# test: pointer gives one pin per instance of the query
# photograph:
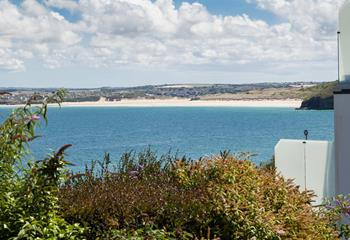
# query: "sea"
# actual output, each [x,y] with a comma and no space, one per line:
[189,131]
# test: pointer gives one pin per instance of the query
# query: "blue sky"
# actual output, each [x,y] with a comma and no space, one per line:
[236,7]
[218,7]
[93,43]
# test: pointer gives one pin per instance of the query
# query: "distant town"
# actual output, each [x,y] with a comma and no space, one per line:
[278,91]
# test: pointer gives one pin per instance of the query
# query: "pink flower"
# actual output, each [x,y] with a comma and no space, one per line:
[281,232]
[35,117]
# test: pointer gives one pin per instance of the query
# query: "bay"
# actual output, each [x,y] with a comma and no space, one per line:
[190,131]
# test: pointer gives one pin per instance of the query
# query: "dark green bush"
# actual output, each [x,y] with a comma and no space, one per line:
[28,193]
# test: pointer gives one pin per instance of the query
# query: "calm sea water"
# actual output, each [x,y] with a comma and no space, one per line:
[189,131]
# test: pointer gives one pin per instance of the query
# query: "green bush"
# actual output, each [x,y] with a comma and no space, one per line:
[219,197]
[337,210]
[145,233]
[28,192]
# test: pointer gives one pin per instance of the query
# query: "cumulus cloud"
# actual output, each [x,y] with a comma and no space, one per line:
[24,27]
[316,18]
[155,32]
[129,32]
[8,60]
[63,4]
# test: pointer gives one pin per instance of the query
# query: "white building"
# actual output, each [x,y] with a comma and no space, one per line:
[323,166]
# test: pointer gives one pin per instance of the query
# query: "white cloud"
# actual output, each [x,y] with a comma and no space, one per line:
[63,4]
[30,24]
[11,60]
[317,18]
[133,32]
[143,32]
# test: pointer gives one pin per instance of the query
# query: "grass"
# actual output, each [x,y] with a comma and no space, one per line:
[322,90]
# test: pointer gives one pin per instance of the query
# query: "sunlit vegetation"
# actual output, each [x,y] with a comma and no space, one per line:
[29,207]
[319,97]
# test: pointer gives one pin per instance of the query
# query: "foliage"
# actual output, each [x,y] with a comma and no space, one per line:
[322,90]
[270,164]
[28,194]
[337,210]
[319,97]
[217,197]
[146,233]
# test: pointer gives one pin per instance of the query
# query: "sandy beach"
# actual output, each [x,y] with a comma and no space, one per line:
[290,103]
[175,102]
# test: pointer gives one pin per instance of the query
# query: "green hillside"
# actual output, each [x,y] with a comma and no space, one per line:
[319,97]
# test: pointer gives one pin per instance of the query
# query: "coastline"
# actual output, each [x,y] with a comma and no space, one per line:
[287,103]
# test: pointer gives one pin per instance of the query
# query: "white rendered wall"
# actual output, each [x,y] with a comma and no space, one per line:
[310,164]
[344,28]
[342,142]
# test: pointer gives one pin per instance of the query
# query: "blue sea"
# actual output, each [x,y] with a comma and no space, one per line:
[190,131]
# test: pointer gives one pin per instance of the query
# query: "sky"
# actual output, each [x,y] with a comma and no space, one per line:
[118,43]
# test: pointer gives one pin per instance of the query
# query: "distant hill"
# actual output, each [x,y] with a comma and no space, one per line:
[319,97]
[315,94]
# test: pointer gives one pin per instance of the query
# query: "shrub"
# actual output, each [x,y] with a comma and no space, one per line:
[145,233]
[337,211]
[28,193]
[218,197]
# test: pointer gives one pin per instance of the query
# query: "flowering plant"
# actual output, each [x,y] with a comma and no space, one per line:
[338,211]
